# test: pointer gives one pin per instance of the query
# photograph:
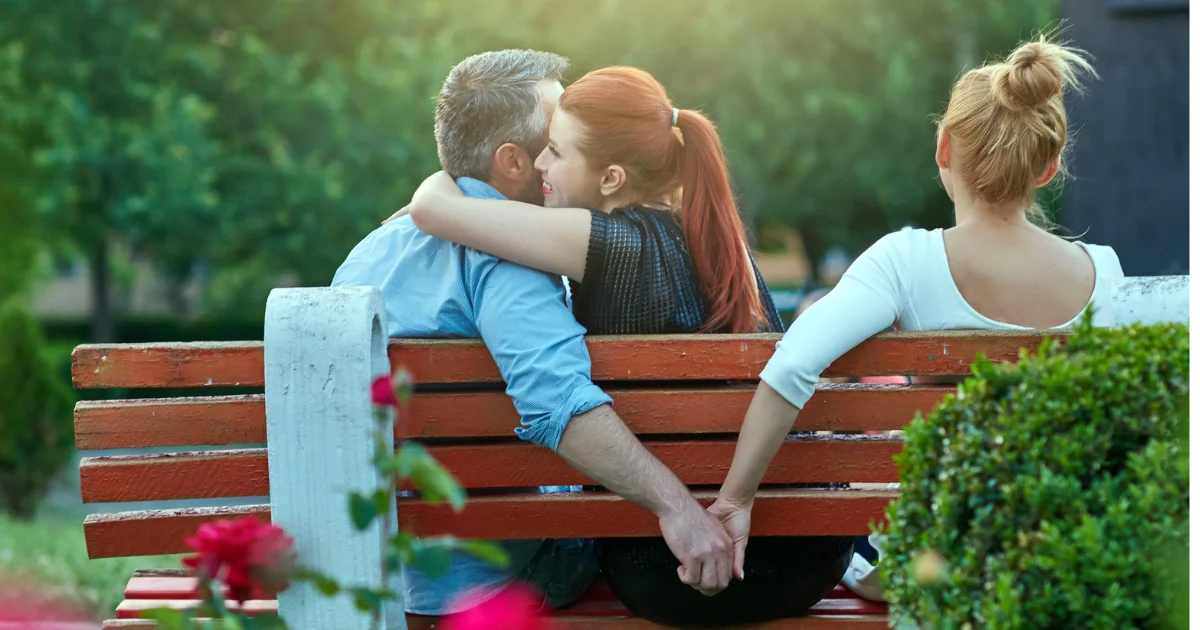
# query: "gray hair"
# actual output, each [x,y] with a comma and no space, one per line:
[488,100]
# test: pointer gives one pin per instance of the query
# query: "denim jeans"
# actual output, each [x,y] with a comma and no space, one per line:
[562,569]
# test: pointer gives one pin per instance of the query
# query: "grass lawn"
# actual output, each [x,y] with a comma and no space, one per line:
[50,550]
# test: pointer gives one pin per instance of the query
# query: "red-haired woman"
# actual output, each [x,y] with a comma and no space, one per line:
[640,216]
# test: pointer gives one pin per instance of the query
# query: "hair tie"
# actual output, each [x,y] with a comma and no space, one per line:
[674,116]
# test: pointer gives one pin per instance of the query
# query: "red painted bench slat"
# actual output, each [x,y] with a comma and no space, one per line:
[133,608]
[243,473]
[598,603]
[181,585]
[222,420]
[655,358]
[600,515]
[777,513]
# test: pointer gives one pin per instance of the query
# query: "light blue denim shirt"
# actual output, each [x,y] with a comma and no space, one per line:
[435,288]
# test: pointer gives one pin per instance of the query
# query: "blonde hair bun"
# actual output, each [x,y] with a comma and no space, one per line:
[1037,72]
[1009,121]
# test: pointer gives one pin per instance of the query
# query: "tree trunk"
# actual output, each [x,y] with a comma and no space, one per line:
[104,329]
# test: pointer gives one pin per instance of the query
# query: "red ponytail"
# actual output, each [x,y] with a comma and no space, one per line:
[714,231]
[627,116]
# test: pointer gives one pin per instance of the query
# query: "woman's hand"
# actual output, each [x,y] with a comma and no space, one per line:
[435,187]
[735,517]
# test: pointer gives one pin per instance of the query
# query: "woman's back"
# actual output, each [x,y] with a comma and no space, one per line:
[1020,276]
[961,279]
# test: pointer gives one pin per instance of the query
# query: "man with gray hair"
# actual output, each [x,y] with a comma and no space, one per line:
[492,118]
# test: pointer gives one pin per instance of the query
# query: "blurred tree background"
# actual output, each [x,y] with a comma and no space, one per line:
[254,141]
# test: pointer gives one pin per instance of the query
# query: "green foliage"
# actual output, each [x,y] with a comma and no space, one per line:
[50,555]
[169,618]
[35,413]
[19,243]
[1047,492]
[269,135]
[825,106]
[263,138]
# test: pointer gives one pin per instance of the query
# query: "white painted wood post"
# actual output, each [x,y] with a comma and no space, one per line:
[323,347]
[1150,299]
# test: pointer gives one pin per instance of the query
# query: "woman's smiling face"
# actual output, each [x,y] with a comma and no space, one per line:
[568,181]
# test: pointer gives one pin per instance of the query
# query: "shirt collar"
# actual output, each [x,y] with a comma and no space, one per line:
[472,187]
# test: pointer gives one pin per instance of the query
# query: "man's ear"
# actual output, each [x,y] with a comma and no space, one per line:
[511,162]
[612,179]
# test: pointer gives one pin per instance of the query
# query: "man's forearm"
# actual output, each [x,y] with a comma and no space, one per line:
[598,444]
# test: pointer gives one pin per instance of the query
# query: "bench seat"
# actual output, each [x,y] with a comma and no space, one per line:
[597,609]
[284,440]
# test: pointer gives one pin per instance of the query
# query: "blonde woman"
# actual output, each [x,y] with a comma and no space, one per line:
[1001,138]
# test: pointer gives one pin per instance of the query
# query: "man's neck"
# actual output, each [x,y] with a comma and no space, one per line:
[502,187]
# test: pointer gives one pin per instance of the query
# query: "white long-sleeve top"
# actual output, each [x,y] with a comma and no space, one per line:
[904,279]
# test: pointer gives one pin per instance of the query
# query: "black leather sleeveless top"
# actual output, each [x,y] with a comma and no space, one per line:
[639,278]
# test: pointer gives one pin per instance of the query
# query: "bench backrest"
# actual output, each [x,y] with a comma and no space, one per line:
[305,442]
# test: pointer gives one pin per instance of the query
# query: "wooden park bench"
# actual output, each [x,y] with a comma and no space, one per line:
[304,443]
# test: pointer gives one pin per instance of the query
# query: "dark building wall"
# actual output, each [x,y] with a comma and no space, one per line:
[1130,160]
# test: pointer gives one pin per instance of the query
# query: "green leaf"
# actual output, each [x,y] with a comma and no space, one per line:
[487,551]
[362,511]
[432,557]
[169,619]
[403,542]
[436,484]
[384,454]
[383,501]
[393,561]
[367,600]
[410,455]
[325,585]
[265,621]
[399,550]
[232,622]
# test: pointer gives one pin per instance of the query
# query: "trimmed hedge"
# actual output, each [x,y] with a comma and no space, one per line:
[36,432]
[149,329]
[1047,493]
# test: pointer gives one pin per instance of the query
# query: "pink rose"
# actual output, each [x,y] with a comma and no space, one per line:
[515,608]
[383,394]
[246,555]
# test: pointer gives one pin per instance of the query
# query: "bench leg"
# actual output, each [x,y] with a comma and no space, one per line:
[322,348]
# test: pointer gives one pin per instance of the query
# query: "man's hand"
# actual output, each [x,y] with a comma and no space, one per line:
[436,186]
[703,548]
[600,446]
[736,520]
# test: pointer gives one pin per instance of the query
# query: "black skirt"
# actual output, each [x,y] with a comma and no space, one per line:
[785,576]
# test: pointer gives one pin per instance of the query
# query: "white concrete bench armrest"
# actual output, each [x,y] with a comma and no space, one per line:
[323,347]
[1151,299]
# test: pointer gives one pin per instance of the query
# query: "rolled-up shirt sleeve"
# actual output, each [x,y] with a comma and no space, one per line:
[538,346]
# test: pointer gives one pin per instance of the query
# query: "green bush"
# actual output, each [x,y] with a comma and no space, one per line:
[35,413]
[1049,493]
